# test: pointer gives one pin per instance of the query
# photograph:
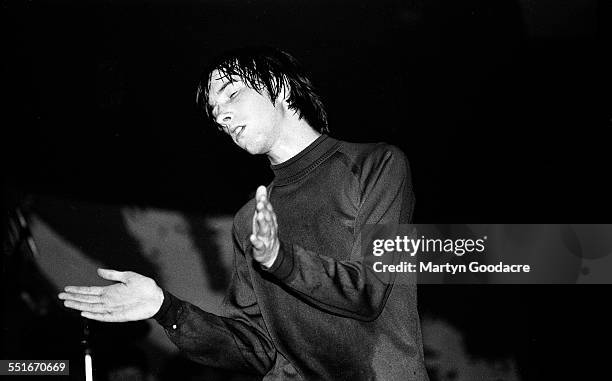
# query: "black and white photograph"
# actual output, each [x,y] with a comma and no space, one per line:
[306,190]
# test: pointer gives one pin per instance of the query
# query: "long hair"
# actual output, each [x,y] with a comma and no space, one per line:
[272,70]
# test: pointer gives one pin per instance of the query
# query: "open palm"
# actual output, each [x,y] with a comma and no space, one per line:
[134,297]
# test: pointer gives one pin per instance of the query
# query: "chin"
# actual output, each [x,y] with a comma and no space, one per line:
[253,147]
[251,151]
[250,148]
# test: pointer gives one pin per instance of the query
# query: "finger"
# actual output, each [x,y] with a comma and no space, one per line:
[108,317]
[273,230]
[80,297]
[117,276]
[255,227]
[263,225]
[257,243]
[261,193]
[260,217]
[87,307]
[84,290]
[267,215]
[261,206]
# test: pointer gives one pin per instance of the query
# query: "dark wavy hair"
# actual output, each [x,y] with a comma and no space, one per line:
[270,69]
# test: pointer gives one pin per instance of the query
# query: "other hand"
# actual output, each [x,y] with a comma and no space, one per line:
[265,230]
[134,297]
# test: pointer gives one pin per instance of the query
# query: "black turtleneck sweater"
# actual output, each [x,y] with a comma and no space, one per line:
[313,315]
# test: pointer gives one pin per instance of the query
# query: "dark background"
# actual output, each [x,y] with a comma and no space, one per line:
[498,105]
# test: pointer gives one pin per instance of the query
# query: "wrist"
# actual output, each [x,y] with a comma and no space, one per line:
[160,298]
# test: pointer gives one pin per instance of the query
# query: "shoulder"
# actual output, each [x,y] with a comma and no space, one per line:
[368,157]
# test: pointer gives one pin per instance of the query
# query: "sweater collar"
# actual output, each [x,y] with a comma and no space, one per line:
[305,161]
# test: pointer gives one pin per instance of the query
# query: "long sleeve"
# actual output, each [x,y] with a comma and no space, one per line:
[321,289]
[236,341]
[349,287]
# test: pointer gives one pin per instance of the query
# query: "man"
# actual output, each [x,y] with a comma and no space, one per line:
[302,304]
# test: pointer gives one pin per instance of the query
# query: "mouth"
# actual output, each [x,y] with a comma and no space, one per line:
[238,131]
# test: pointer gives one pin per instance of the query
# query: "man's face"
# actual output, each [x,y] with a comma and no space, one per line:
[247,116]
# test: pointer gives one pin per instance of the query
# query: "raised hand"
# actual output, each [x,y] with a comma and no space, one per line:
[134,297]
[265,230]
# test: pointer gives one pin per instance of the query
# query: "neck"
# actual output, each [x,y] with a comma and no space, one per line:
[296,135]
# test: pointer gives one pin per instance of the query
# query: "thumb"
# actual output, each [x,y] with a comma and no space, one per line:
[118,276]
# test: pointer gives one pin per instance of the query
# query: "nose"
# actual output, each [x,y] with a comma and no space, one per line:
[224,118]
